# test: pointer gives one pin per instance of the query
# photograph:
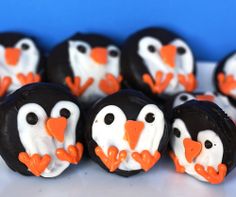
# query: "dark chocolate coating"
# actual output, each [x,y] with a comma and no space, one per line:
[9,39]
[203,115]
[132,65]
[44,94]
[219,69]
[131,102]
[58,65]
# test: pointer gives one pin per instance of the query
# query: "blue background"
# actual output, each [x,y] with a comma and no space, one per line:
[208,25]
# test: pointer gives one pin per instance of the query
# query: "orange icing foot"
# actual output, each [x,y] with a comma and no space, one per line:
[72,155]
[146,159]
[110,84]
[160,84]
[113,160]
[179,168]
[226,83]
[211,175]
[35,163]
[29,78]
[188,81]
[4,85]
[75,86]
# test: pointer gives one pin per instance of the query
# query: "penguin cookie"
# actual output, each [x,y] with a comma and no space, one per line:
[158,62]
[40,130]
[203,141]
[225,76]
[21,62]
[88,64]
[126,133]
[222,101]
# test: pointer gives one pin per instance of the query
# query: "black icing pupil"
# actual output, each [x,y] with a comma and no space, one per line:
[208,144]
[113,53]
[151,48]
[25,46]
[109,118]
[183,98]
[32,118]
[150,117]
[81,49]
[177,132]
[181,50]
[65,113]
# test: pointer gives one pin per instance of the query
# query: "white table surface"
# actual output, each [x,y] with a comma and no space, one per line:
[88,179]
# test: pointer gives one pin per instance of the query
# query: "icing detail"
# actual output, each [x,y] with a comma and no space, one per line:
[161,82]
[99,55]
[93,64]
[35,163]
[5,82]
[35,138]
[28,78]
[168,54]
[211,153]
[133,131]
[227,83]
[146,160]
[179,168]
[182,98]
[188,81]
[205,97]
[211,175]
[12,56]
[110,84]
[75,87]
[121,133]
[192,149]
[24,60]
[112,160]
[56,127]
[175,57]
[72,155]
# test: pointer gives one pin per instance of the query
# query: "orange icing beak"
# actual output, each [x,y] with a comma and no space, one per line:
[205,98]
[12,56]
[56,128]
[99,55]
[192,149]
[168,53]
[133,129]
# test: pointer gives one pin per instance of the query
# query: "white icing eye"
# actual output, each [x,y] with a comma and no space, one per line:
[113,52]
[180,130]
[154,124]
[148,47]
[230,65]
[109,116]
[80,47]
[26,45]
[31,116]
[108,126]
[182,98]
[210,141]
[184,57]
[66,109]
[150,114]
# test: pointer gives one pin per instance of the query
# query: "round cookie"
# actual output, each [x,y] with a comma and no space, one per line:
[222,101]
[21,62]
[159,63]
[203,141]
[126,133]
[88,64]
[225,76]
[40,130]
